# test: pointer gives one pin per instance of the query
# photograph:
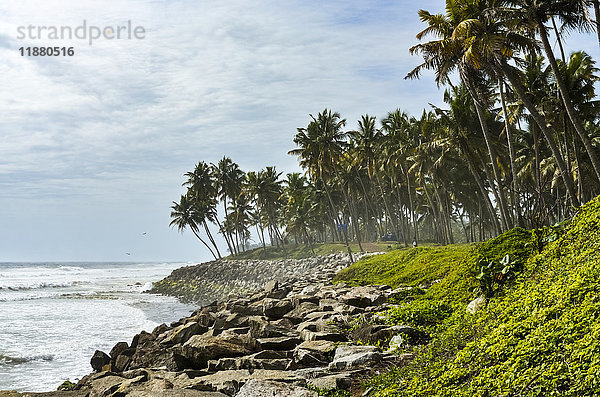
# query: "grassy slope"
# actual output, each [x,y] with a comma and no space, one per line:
[303,251]
[538,336]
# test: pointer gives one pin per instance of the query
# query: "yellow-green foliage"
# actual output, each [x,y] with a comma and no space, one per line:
[413,267]
[539,336]
[300,251]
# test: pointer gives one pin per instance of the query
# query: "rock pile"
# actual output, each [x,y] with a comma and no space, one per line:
[288,338]
[216,280]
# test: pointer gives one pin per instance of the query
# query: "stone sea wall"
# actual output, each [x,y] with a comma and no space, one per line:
[217,280]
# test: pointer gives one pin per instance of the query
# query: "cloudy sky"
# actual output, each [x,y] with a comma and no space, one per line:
[93,146]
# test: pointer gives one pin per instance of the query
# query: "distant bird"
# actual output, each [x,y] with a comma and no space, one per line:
[128,253]
[143,234]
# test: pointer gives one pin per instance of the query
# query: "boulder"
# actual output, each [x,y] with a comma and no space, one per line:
[99,360]
[230,382]
[342,381]
[354,361]
[476,304]
[261,328]
[322,350]
[119,348]
[271,286]
[262,388]
[279,343]
[363,297]
[199,349]
[276,308]
[183,333]
[298,314]
[323,335]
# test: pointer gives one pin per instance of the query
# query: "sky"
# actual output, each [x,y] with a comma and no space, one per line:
[93,147]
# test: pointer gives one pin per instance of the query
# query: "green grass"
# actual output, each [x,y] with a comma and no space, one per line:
[539,334]
[300,251]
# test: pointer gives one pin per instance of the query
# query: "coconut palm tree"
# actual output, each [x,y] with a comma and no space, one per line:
[201,190]
[188,213]
[534,14]
[228,178]
[320,145]
[475,44]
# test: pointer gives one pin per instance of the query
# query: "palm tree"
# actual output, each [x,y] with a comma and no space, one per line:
[573,14]
[228,178]
[201,190]
[475,44]
[188,213]
[321,144]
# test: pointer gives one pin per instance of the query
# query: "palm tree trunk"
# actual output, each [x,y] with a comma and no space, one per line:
[564,93]
[511,152]
[558,39]
[436,215]
[412,208]
[568,181]
[387,208]
[225,236]
[203,242]
[355,223]
[504,215]
[596,4]
[210,237]
[227,233]
[480,185]
[344,232]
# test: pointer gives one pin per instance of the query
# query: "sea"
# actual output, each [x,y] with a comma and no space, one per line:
[53,316]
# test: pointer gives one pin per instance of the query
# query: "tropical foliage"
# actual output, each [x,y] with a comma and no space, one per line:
[515,143]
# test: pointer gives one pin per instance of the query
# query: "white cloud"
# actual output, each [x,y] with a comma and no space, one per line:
[119,122]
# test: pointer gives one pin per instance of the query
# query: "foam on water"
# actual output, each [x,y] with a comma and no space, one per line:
[54,316]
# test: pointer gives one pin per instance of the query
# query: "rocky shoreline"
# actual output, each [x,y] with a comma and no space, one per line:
[296,336]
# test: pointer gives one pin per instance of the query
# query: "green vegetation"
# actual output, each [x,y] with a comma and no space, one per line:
[67,386]
[538,335]
[300,251]
[330,392]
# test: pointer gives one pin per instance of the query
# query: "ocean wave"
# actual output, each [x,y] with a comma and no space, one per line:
[70,268]
[15,360]
[39,285]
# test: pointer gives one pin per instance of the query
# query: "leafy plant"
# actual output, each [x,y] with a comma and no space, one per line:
[492,274]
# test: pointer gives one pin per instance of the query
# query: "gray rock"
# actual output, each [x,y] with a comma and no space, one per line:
[476,304]
[355,360]
[183,333]
[327,336]
[279,343]
[275,308]
[199,349]
[271,286]
[341,381]
[261,388]
[99,360]
[119,348]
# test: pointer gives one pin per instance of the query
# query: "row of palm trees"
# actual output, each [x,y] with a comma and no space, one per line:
[515,144]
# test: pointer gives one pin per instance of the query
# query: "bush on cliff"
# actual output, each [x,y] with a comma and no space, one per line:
[538,335]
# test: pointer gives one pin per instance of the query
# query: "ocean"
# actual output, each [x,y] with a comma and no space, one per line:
[53,316]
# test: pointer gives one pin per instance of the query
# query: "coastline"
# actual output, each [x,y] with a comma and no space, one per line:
[296,335]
